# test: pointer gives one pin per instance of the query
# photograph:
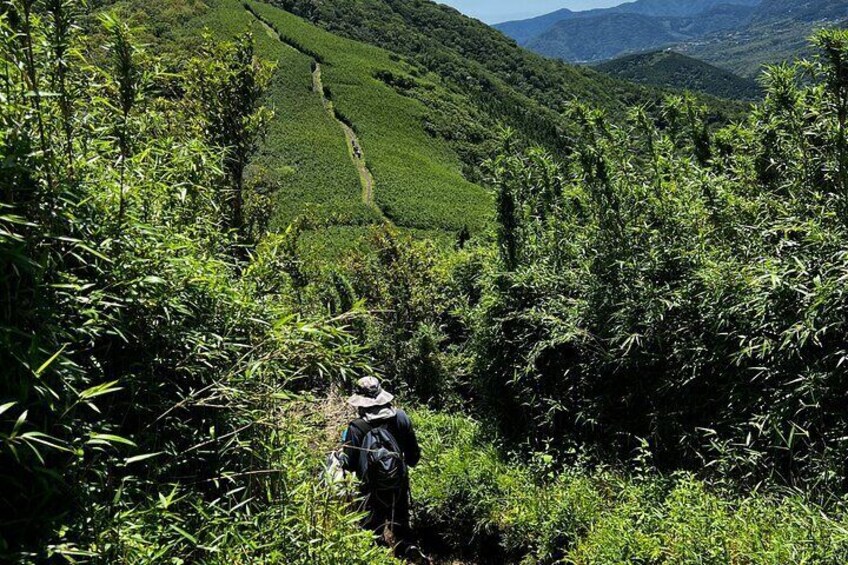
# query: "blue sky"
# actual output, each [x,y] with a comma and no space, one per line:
[493,11]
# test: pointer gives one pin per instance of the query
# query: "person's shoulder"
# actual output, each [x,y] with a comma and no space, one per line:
[402,418]
[357,427]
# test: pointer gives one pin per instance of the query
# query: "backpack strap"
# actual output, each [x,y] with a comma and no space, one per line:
[363,426]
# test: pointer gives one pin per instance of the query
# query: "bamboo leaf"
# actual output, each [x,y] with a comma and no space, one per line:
[108,439]
[184,533]
[99,390]
[46,364]
[138,458]
[6,406]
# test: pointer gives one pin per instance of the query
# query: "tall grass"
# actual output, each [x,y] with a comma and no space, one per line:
[470,499]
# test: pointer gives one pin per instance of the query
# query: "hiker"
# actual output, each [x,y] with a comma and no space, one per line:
[379,447]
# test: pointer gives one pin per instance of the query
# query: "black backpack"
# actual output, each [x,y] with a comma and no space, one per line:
[385,468]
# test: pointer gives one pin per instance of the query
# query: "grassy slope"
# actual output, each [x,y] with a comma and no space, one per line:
[305,148]
[418,178]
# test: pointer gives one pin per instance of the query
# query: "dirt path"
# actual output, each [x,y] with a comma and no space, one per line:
[354,146]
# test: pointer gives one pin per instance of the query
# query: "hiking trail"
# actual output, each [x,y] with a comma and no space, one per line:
[354,146]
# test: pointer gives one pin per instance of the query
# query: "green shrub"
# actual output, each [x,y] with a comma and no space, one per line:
[491,507]
[148,362]
[671,286]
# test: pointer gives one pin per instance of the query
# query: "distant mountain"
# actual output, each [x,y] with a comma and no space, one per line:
[739,35]
[800,10]
[669,69]
[602,37]
[523,31]
[613,33]
[779,31]
[674,8]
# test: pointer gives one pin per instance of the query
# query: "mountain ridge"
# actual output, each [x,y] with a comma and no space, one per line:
[524,30]
[708,29]
[674,70]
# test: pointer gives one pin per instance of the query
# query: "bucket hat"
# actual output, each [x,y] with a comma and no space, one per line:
[368,393]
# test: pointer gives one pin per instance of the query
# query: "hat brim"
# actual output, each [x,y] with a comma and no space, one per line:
[359,401]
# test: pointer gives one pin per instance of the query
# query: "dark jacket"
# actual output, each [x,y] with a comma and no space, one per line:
[399,426]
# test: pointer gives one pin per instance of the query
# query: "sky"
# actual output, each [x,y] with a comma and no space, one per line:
[495,11]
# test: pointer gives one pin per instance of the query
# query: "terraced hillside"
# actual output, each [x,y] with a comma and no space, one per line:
[418,180]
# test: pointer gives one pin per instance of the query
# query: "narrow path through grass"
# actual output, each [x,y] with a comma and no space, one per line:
[354,146]
[357,154]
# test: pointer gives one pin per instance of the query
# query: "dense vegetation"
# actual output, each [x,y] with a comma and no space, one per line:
[667,295]
[146,361]
[470,497]
[672,70]
[683,290]
[641,361]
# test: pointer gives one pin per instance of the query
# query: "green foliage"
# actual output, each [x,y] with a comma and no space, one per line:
[681,288]
[413,331]
[297,520]
[498,510]
[146,372]
[740,36]
[664,293]
[673,70]
[228,84]
[302,167]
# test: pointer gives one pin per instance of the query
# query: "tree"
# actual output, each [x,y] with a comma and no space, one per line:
[228,85]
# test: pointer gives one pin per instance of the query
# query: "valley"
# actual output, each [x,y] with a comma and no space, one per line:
[739,36]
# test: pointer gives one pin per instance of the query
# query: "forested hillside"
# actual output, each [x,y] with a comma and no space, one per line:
[669,69]
[633,353]
[777,33]
[739,36]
